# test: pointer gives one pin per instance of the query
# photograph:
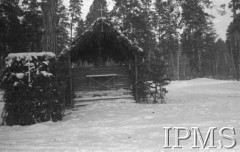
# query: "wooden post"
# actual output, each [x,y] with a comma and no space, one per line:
[70,80]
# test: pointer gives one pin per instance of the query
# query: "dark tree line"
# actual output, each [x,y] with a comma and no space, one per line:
[233,37]
[180,30]
[33,26]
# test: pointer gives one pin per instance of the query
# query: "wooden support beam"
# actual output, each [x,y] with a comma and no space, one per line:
[70,81]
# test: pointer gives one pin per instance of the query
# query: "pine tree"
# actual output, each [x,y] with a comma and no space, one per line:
[33,25]
[63,39]
[168,23]
[137,21]
[97,9]
[223,66]
[80,27]
[209,54]
[233,37]
[12,36]
[195,21]
[21,29]
[3,32]
[149,28]
[75,14]
[232,44]
[134,19]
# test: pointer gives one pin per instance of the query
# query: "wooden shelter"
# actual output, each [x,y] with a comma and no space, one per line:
[103,58]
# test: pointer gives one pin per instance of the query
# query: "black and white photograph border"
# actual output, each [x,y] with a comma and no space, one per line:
[119,75]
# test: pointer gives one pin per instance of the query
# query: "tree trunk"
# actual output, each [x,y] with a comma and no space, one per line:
[71,36]
[173,66]
[49,40]
[136,78]
[199,60]
[3,45]
[233,64]
[238,36]
[178,61]
[236,40]
[226,69]
[192,72]
[234,9]
[184,67]
[218,71]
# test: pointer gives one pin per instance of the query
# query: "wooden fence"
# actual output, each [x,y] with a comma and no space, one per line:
[81,82]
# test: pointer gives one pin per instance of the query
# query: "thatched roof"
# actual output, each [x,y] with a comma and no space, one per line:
[102,34]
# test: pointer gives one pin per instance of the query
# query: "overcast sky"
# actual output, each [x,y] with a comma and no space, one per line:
[220,22]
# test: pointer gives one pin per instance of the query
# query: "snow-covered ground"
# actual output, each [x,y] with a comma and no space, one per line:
[123,125]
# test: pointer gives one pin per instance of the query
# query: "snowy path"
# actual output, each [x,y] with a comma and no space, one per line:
[123,125]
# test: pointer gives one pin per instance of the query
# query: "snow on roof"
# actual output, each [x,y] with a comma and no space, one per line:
[35,54]
[106,22]
[27,56]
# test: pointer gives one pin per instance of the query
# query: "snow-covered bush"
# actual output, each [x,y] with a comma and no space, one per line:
[28,101]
